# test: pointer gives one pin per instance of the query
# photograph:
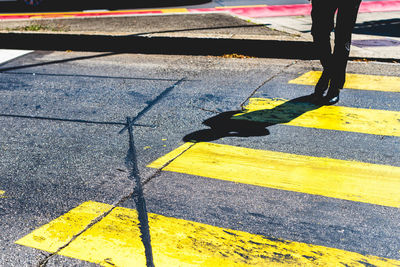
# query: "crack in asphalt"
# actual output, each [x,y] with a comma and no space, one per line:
[266,81]
[151,103]
[138,197]
[137,193]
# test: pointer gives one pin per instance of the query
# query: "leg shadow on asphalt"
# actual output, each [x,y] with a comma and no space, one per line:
[254,123]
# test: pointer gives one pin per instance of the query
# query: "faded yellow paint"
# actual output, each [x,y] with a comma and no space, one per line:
[280,111]
[59,232]
[349,180]
[174,10]
[2,193]
[115,241]
[72,13]
[37,14]
[356,81]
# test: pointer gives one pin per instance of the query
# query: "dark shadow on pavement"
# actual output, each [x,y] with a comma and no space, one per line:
[158,45]
[389,28]
[254,123]
[73,5]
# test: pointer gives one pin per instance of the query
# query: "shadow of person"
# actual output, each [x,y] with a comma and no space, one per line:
[252,123]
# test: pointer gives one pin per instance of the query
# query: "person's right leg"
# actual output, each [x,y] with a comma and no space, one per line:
[345,21]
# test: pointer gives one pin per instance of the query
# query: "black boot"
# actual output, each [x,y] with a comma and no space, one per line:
[321,87]
[332,97]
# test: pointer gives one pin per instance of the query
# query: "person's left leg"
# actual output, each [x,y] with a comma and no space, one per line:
[322,15]
[345,21]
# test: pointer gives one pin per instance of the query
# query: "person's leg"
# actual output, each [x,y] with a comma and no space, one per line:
[345,21]
[322,15]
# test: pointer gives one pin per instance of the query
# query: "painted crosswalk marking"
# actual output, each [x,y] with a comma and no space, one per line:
[280,111]
[349,180]
[356,81]
[115,241]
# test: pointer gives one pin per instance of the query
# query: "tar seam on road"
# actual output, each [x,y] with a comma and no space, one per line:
[133,194]
[138,197]
[152,103]
[138,191]
[265,82]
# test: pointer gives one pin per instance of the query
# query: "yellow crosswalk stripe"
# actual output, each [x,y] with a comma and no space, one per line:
[349,180]
[115,241]
[280,111]
[356,81]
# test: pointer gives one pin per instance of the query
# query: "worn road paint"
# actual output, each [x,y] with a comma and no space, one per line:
[10,54]
[174,10]
[356,81]
[59,232]
[2,193]
[349,180]
[115,241]
[304,114]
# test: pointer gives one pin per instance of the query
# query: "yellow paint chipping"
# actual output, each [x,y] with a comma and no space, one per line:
[356,81]
[2,193]
[349,180]
[59,232]
[115,241]
[280,111]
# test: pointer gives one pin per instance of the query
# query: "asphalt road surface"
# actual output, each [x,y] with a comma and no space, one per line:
[286,181]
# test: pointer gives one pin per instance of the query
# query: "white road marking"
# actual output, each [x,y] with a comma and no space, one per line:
[10,54]
[95,10]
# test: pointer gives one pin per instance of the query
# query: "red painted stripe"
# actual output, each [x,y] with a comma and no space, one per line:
[273,11]
[15,17]
[380,6]
[300,10]
[269,11]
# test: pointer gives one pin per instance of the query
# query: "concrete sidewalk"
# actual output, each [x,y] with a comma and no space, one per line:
[214,33]
[376,35]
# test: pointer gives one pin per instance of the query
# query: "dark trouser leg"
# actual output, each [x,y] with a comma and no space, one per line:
[322,15]
[346,19]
